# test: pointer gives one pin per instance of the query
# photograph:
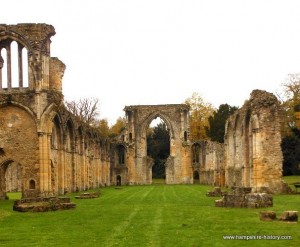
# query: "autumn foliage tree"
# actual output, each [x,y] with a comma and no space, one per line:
[291,99]
[118,127]
[103,127]
[200,111]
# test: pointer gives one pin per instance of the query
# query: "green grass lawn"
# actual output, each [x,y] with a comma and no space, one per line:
[154,215]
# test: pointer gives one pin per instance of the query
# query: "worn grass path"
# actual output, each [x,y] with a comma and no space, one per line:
[156,215]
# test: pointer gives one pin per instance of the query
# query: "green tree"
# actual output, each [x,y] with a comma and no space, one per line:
[216,129]
[290,146]
[158,147]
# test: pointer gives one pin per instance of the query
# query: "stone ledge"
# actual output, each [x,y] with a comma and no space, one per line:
[241,197]
[43,204]
[88,195]
[287,216]
[217,192]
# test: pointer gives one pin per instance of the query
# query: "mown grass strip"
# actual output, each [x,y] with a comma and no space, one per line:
[152,215]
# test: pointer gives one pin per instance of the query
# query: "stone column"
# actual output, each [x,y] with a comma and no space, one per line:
[44,158]
[20,65]
[51,190]
[8,55]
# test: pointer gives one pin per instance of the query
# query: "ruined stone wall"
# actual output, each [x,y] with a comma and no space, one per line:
[252,144]
[83,165]
[251,155]
[178,168]
[59,154]
[209,161]
[55,152]
[57,69]
[13,178]
[119,170]
[18,142]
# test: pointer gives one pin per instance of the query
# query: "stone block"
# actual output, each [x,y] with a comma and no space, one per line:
[291,216]
[219,203]
[267,215]
[216,192]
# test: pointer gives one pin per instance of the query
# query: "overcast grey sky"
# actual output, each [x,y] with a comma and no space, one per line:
[129,52]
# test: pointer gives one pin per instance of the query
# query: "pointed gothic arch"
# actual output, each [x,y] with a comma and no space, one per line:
[178,165]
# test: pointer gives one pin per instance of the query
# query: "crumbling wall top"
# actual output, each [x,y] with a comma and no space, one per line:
[143,107]
[33,36]
[261,98]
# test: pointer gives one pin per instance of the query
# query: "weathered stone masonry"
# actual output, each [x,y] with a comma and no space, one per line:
[252,144]
[53,151]
[251,155]
[45,151]
[138,165]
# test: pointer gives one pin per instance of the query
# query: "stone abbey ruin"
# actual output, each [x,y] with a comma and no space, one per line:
[46,151]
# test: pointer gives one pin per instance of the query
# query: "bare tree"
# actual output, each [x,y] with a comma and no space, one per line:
[86,109]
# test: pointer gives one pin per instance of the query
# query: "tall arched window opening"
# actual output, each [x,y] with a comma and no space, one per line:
[13,65]
[3,70]
[158,146]
[196,153]
[121,155]
[25,67]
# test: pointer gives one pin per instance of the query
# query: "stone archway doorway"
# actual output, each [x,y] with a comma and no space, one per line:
[10,178]
[177,165]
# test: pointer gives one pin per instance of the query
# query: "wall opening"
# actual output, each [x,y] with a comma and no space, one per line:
[196,177]
[56,134]
[32,184]
[196,153]
[130,137]
[69,142]
[3,73]
[121,155]
[13,177]
[13,65]
[119,180]
[25,67]
[158,147]
[185,136]
[10,179]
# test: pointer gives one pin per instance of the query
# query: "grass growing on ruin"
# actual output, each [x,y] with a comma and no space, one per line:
[155,215]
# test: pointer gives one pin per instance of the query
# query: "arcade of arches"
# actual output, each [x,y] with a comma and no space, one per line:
[45,150]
